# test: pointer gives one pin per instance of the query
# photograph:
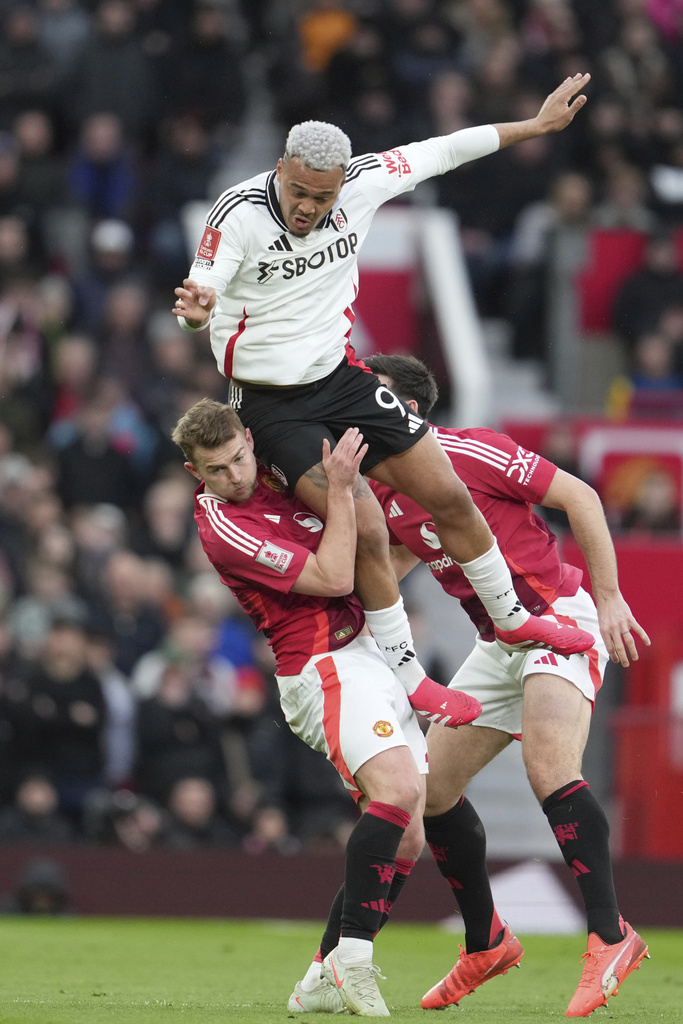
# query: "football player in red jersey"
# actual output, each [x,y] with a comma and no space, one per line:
[293,574]
[538,697]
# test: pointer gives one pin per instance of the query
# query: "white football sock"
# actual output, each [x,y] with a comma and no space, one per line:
[391,630]
[490,576]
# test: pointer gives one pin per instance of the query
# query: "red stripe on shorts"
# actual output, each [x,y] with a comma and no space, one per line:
[331,684]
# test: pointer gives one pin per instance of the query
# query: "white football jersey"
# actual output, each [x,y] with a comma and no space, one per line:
[284,304]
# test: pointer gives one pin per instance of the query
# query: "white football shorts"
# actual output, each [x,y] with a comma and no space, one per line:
[350,705]
[496,678]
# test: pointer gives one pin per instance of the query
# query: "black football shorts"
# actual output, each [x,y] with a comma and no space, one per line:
[288,424]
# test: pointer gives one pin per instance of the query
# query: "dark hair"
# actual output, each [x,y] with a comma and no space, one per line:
[207,424]
[409,378]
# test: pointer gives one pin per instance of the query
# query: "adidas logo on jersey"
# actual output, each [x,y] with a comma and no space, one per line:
[414,422]
[282,244]
[394,510]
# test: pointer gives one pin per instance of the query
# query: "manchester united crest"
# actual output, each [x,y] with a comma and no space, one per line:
[383,729]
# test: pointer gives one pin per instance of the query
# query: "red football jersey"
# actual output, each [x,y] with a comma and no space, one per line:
[259,548]
[505,481]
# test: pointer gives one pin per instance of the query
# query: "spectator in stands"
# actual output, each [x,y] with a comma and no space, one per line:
[64,26]
[34,817]
[114,75]
[565,211]
[118,742]
[177,735]
[654,364]
[646,295]
[91,469]
[121,607]
[184,167]
[126,819]
[29,74]
[361,64]
[73,378]
[41,178]
[167,523]
[196,820]
[102,175]
[16,494]
[122,338]
[625,202]
[62,717]
[656,506]
[204,77]
[49,592]
[110,262]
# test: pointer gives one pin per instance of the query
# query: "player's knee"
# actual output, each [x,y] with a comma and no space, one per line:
[412,844]
[545,778]
[404,792]
[440,800]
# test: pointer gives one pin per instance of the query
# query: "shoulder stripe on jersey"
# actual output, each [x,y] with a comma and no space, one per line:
[363,163]
[227,530]
[476,450]
[221,210]
[230,200]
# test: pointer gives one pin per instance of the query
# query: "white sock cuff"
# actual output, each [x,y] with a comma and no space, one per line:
[481,562]
[392,617]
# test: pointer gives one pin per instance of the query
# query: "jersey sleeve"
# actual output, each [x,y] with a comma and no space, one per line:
[242,550]
[222,248]
[384,175]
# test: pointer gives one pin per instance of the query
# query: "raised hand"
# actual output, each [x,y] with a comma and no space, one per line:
[342,464]
[561,106]
[194,302]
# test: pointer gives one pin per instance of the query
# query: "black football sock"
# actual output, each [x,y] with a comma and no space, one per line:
[370,868]
[403,869]
[581,829]
[458,843]
[331,935]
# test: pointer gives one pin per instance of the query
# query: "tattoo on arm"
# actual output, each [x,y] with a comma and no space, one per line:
[362,489]
[317,476]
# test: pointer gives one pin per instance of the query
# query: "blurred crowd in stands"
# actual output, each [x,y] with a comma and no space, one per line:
[137,706]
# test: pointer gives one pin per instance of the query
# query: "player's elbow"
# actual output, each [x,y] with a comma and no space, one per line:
[341,585]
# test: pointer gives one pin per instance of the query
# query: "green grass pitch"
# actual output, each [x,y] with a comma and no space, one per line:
[87,971]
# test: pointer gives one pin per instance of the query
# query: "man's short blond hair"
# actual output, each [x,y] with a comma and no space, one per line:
[207,424]
[319,145]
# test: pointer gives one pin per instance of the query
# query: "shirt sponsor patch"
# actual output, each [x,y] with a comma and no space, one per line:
[203,264]
[395,162]
[275,557]
[208,247]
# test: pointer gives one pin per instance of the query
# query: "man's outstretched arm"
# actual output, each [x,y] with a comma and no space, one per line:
[587,521]
[559,110]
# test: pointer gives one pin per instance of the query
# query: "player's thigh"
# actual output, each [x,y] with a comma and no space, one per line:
[455,757]
[555,727]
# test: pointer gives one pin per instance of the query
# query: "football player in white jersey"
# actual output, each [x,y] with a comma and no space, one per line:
[275,276]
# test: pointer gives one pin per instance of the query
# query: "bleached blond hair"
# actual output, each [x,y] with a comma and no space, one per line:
[319,145]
